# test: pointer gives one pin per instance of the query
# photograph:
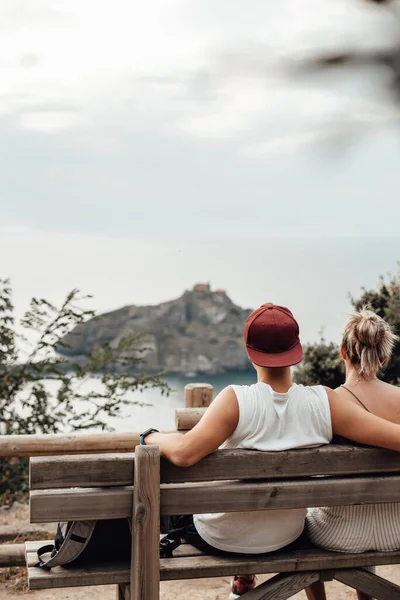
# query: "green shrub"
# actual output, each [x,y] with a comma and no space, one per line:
[28,358]
[322,363]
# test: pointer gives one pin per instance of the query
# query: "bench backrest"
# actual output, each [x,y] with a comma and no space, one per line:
[100,486]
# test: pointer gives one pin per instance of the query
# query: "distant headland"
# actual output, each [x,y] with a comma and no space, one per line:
[201,332]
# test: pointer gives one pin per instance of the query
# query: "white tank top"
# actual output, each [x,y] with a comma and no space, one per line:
[268,420]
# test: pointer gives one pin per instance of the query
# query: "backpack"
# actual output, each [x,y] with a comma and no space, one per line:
[88,542]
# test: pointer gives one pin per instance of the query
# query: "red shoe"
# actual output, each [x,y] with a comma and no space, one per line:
[240,585]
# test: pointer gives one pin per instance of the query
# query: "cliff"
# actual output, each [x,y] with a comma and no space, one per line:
[200,332]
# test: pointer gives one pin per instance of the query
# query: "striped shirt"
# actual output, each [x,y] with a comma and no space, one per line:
[358,528]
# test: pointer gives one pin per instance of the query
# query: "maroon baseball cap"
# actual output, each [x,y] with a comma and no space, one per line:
[271,335]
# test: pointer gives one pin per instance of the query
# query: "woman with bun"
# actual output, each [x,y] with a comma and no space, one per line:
[273,414]
[366,349]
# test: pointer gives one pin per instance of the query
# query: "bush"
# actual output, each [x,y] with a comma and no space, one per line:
[29,360]
[322,363]
[14,480]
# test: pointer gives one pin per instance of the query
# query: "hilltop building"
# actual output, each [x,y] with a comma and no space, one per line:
[202,287]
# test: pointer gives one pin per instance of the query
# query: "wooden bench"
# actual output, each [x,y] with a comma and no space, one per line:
[128,485]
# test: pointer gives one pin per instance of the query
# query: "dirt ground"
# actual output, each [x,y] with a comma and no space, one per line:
[13,585]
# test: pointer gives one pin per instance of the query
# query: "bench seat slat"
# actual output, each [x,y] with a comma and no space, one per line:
[113,503]
[192,567]
[118,469]
[105,574]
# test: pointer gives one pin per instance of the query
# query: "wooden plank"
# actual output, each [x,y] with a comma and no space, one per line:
[8,533]
[198,394]
[117,469]
[88,470]
[12,555]
[281,561]
[126,590]
[99,574]
[48,506]
[122,591]
[114,503]
[282,586]
[73,443]
[65,444]
[369,583]
[295,558]
[145,566]
[187,418]
[332,459]
[326,575]
[246,496]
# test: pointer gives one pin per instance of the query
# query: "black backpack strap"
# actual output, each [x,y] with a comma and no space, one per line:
[171,541]
[45,550]
[50,548]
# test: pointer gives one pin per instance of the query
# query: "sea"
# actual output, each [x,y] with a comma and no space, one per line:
[147,408]
[158,411]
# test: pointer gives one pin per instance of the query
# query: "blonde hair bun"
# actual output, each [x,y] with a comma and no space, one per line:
[368,341]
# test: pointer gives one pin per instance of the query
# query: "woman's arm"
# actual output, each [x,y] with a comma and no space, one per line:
[355,423]
[217,424]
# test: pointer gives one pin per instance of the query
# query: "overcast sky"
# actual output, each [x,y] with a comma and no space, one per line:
[146,146]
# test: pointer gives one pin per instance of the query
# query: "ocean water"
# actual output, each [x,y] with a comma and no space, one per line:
[149,408]
[160,410]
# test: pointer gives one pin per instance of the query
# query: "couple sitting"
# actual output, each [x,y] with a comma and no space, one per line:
[276,414]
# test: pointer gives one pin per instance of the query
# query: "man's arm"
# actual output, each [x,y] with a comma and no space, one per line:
[217,424]
[357,424]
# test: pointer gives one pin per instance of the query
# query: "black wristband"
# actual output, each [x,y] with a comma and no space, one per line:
[146,433]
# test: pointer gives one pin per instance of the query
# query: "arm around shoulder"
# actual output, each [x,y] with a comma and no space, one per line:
[355,423]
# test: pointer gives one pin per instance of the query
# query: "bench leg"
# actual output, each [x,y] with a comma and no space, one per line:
[282,586]
[369,583]
[123,591]
[316,591]
[145,565]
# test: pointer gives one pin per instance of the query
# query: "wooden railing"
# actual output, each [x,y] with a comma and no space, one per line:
[197,397]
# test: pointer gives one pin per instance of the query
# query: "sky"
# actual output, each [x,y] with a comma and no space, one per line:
[148,146]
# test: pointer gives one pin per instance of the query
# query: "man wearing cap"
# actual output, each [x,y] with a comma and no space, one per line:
[273,414]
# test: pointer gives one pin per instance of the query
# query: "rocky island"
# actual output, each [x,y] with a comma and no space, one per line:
[201,332]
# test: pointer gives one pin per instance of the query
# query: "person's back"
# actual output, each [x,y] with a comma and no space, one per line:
[366,348]
[273,345]
[274,421]
[380,398]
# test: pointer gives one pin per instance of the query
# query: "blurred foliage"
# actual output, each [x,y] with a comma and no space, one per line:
[321,365]
[41,392]
[14,479]
[322,362]
[385,58]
